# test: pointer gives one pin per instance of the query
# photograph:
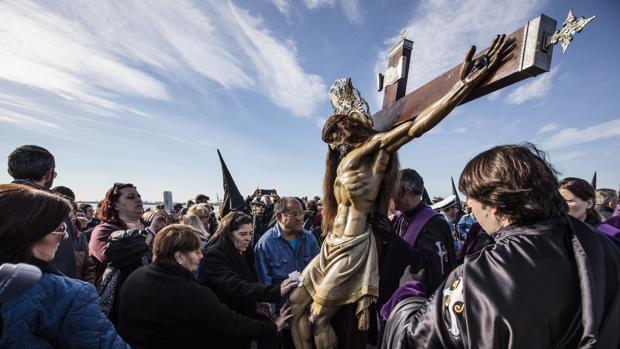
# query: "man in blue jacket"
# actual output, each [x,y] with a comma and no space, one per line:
[285,248]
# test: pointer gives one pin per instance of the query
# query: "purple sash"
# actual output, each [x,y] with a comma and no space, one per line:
[608,230]
[419,221]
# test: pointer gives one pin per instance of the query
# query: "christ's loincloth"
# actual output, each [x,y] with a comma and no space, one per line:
[345,272]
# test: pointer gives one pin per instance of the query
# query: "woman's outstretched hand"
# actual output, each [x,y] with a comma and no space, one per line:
[285,314]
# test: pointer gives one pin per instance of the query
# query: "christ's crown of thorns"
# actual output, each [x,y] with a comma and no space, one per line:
[346,100]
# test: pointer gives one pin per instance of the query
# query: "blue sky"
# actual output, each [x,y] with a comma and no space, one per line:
[145,91]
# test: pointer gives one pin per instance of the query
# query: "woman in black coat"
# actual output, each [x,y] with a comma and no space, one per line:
[162,306]
[228,270]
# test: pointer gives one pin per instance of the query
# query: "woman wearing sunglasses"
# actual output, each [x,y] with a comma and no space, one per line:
[58,311]
[122,243]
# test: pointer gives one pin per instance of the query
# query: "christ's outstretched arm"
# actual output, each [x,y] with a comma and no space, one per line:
[472,73]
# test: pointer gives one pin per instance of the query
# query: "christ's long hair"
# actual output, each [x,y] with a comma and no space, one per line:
[359,132]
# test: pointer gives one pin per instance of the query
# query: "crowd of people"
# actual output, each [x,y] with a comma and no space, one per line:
[117,276]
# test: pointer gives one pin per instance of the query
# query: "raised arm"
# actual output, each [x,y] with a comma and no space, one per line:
[472,73]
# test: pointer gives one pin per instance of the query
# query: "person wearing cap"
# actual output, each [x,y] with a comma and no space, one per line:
[423,229]
[448,209]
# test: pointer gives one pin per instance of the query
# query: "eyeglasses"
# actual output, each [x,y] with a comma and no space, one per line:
[293,214]
[55,174]
[61,230]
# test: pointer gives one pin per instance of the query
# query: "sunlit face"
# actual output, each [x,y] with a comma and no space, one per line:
[242,237]
[292,219]
[577,207]
[45,249]
[190,259]
[129,204]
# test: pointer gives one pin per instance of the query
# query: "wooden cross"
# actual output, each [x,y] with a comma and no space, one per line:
[532,56]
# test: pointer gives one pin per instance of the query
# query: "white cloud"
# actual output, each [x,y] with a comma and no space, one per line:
[50,52]
[548,128]
[533,90]
[574,136]
[99,56]
[313,4]
[25,121]
[282,5]
[350,8]
[459,130]
[281,76]
[443,31]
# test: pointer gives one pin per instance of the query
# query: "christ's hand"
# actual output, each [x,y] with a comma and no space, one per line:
[473,72]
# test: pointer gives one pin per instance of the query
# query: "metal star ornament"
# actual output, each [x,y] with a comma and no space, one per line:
[571,26]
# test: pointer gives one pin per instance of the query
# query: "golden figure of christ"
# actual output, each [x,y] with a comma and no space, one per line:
[361,169]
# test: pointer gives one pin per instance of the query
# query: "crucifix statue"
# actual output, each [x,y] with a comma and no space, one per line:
[361,171]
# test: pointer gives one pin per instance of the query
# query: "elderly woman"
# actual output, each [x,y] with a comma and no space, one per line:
[548,280]
[162,306]
[122,243]
[580,197]
[228,269]
[58,312]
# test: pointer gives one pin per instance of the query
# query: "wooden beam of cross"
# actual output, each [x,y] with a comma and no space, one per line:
[532,56]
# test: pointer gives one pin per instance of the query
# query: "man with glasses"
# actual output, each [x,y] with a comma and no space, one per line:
[285,248]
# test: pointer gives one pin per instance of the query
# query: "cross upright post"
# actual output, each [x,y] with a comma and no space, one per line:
[394,81]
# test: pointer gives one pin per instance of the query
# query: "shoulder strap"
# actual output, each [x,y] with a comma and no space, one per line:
[418,222]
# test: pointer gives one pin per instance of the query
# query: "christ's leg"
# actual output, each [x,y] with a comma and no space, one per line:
[300,327]
[324,335]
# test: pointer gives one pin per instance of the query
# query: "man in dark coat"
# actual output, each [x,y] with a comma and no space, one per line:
[431,256]
[35,166]
[547,281]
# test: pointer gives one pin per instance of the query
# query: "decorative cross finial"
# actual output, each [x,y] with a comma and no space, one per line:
[571,26]
[403,34]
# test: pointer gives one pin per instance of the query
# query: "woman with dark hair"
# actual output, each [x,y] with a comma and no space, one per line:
[547,281]
[228,269]
[580,197]
[121,209]
[162,305]
[122,243]
[58,312]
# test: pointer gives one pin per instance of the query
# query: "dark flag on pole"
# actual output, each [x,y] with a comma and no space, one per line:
[455,193]
[233,201]
[426,198]
[593,182]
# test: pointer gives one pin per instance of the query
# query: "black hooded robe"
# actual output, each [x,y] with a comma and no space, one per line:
[549,285]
